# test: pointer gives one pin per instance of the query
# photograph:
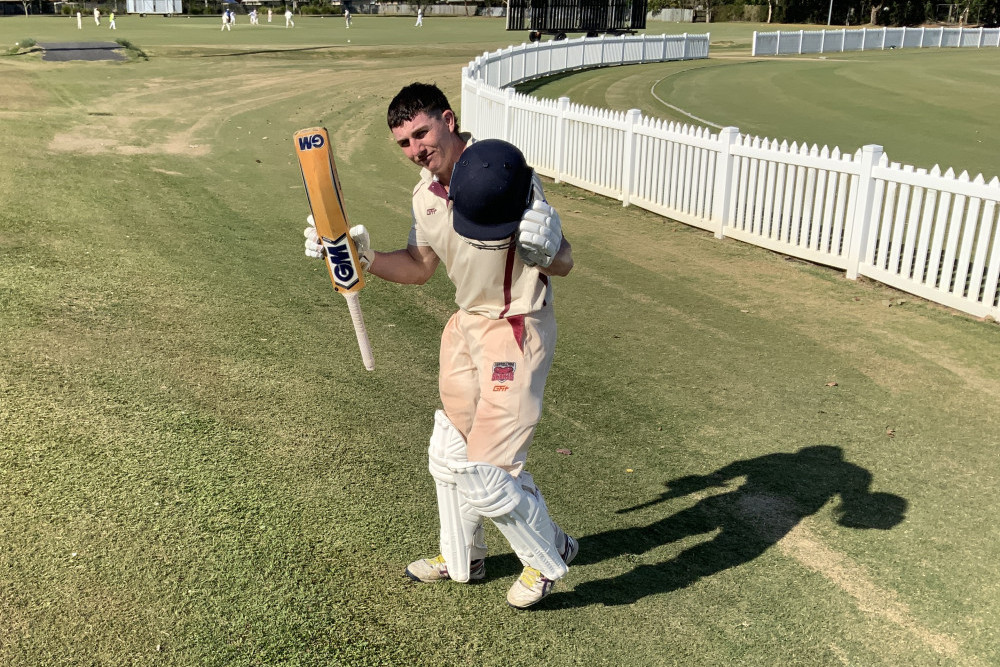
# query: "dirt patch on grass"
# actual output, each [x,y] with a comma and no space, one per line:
[802,545]
[21,93]
[182,127]
[123,135]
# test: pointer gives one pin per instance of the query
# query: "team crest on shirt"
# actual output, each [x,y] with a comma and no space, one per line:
[431,211]
[503,371]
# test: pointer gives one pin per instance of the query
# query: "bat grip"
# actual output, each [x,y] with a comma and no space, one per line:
[354,305]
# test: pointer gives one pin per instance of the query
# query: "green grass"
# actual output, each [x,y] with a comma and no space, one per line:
[924,106]
[201,35]
[196,469]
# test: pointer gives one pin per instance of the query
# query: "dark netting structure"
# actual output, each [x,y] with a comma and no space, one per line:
[558,17]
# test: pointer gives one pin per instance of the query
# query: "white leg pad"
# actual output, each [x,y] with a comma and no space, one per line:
[521,517]
[527,483]
[461,526]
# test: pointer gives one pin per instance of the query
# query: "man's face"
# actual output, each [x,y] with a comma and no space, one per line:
[430,142]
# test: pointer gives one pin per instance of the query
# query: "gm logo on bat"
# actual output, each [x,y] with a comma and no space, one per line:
[314,141]
[338,254]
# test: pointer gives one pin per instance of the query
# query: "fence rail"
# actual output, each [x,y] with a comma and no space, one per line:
[933,234]
[871,39]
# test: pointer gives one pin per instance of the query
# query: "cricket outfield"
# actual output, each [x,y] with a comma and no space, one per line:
[764,463]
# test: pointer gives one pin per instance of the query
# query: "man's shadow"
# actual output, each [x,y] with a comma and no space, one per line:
[778,492]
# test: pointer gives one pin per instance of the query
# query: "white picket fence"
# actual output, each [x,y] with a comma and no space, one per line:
[871,39]
[516,64]
[932,234]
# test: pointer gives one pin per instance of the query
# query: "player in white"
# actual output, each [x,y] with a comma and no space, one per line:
[79,21]
[480,210]
[420,18]
[270,13]
[97,16]
[288,19]
[225,20]
[347,17]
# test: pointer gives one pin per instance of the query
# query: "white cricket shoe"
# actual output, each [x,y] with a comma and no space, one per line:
[532,585]
[434,569]
[529,588]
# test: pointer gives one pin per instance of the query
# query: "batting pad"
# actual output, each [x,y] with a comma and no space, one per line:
[520,516]
[461,528]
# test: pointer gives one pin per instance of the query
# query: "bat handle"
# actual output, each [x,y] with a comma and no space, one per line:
[354,305]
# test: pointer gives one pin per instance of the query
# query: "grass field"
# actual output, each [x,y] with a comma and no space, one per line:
[196,470]
[924,106]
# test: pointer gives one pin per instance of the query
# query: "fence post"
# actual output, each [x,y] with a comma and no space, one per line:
[508,101]
[728,136]
[980,45]
[686,52]
[632,117]
[801,35]
[466,101]
[822,41]
[563,109]
[861,209]
[753,49]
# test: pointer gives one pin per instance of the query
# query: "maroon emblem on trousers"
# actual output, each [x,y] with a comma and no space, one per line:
[503,371]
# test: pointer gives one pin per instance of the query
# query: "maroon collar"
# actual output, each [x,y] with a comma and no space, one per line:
[438,189]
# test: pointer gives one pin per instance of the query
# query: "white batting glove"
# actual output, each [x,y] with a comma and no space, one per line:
[363,242]
[539,235]
[314,248]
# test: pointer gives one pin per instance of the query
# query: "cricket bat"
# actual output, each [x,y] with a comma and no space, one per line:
[326,203]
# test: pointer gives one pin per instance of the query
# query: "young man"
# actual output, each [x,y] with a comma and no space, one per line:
[480,209]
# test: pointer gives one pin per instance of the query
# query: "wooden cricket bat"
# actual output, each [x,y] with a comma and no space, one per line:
[326,203]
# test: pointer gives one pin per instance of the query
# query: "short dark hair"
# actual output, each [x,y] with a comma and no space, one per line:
[415,99]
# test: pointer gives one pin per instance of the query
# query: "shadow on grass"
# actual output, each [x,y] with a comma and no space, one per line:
[778,492]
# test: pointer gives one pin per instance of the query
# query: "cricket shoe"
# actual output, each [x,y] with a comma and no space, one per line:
[529,588]
[569,550]
[532,585]
[434,569]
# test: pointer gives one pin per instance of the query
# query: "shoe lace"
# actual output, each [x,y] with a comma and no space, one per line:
[531,576]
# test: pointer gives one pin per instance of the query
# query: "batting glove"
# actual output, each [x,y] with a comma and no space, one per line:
[363,243]
[314,248]
[539,235]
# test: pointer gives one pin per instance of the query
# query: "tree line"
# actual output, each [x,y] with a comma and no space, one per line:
[857,13]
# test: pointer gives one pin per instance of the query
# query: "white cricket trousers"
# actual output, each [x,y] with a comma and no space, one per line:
[491,379]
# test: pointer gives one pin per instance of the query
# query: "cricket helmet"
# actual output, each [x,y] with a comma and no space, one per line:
[490,189]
